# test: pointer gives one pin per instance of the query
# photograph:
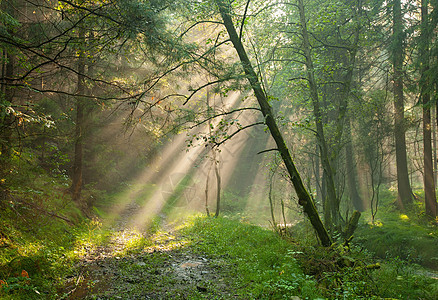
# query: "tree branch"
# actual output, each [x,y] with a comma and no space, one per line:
[237,131]
[224,114]
[268,150]
[243,19]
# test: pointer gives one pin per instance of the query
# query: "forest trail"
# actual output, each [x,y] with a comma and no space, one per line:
[166,269]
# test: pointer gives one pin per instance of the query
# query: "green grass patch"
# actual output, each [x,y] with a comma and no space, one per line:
[404,235]
[259,262]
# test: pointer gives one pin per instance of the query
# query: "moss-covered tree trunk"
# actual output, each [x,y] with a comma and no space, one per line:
[304,198]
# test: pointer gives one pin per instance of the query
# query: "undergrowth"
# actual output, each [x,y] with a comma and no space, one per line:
[267,267]
[35,261]
[42,232]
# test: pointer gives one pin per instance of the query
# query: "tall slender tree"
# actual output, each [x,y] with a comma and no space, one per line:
[76,186]
[332,214]
[425,88]
[403,184]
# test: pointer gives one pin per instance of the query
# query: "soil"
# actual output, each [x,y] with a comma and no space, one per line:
[168,269]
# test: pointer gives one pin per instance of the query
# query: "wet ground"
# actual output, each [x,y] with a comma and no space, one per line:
[169,268]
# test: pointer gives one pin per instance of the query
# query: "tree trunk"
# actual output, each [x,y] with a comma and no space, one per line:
[7,74]
[6,120]
[404,187]
[318,180]
[271,201]
[206,192]
[6,124]
[218,185]
[304,198]
[352,225]
[355,198]
[8,92]
[429,185]
[325,202]
[332,199]
[433,121]
[76,186]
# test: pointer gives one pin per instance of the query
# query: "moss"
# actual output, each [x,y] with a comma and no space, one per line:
[404,235]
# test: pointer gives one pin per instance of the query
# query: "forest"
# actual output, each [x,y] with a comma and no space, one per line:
[218,149]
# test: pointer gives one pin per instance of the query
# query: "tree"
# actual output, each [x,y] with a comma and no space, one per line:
[76,186]
[351,170]
[6,97]
[425,88]
[327,44]
[403,184]
[304,198]
[57,47]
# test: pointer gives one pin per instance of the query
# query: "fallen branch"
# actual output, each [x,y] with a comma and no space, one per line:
[46,212]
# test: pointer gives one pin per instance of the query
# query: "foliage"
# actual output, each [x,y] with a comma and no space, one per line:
[354,272]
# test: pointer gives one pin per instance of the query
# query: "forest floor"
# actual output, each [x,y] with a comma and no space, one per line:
[167,268]
[199,257]
[167,262]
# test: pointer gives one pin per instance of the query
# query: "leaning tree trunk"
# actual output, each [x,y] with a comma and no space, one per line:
[304,198]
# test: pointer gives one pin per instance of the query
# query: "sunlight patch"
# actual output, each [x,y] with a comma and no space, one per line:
[404,217]
[164,241]
[31,249]
[127,241]
[377,223]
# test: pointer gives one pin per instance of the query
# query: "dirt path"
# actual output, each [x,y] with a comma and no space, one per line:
[166,269]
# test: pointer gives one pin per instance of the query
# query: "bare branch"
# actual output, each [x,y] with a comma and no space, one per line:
[203,86]
[237,131]
[268,150]
[49,91]
[243,19]
[224,114]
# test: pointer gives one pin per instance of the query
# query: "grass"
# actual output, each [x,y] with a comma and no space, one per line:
[407,235]
[245,262]
[260,263]
[35,263]
[39,251]
[237,260]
